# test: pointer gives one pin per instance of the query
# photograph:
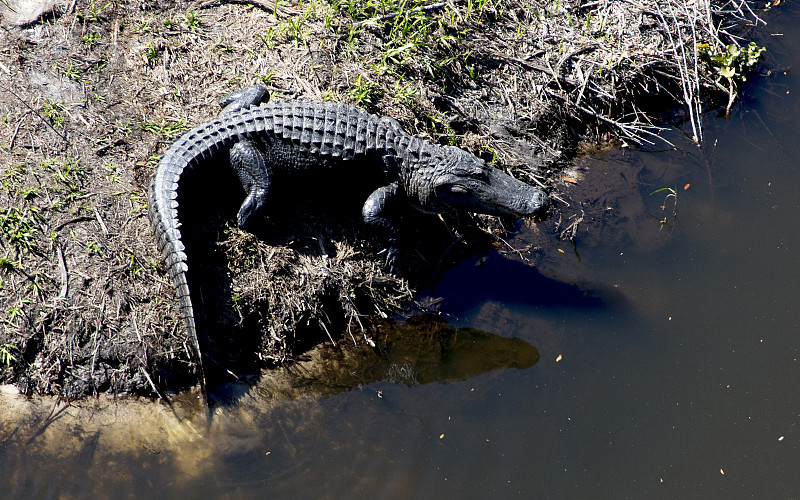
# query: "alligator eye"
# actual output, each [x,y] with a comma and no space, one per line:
[480,174]
[458,190]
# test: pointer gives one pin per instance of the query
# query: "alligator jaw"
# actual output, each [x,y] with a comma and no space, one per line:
[492,192]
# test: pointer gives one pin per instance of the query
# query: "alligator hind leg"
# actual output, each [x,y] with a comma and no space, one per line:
[246,159]
[244,98]
[256,176]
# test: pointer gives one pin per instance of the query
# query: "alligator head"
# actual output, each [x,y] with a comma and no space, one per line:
[469,183]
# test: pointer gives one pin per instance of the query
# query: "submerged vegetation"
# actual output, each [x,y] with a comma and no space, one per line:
[92,94]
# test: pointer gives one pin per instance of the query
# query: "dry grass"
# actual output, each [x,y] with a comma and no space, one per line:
[90,97]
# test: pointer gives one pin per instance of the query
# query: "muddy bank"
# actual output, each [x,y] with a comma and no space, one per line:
[93,93]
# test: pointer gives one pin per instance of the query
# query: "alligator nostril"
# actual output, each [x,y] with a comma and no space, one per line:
[537,203]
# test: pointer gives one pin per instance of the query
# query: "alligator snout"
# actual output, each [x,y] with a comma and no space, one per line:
[528,201]
[492,192]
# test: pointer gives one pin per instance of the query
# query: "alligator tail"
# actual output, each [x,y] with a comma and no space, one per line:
[191,149]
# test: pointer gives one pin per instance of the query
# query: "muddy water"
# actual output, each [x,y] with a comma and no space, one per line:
[649,360]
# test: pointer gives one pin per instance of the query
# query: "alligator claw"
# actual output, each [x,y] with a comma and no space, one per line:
[394,263]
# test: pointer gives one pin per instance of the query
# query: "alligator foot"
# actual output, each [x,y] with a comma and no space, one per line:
[255,175]
[241,99]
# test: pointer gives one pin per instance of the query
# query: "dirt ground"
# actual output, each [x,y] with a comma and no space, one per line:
[92,92]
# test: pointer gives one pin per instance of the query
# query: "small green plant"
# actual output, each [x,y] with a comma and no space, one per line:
[67,172]
[352,31]
[28,193]
[151,52]
[123,128]
[93,247]
[35,285]
[470,69]
[90,39]
[234,81]
[294,26]
[363,91]
[404,93]
[493,153]
[521,32]
[69,176]
[671,193]
[19,227]
[164,130]
[268,38]
[6,358]
[142,26]
[17,311]
[193,21]
[133,267]
[267,79]
[100,65]
[72,72]
[8,266]
[394,56]
[733,62]
[437,121]
[112,172]
[330,15]
[54,111]
[95,11]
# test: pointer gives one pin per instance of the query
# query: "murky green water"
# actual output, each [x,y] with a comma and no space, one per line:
[656,362]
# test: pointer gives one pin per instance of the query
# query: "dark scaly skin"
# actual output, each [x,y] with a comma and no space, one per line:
[299,136]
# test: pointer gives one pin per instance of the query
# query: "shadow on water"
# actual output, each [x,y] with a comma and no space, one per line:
[499,279]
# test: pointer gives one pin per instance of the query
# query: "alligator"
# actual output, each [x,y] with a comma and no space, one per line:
[263,138]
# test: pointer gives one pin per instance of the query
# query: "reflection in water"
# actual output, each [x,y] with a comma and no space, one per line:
[425,349]
[102,446]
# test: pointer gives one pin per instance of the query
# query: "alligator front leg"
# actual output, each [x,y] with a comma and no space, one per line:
[374,213]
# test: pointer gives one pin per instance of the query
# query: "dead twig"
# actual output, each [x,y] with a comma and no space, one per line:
[152,384]
[100,221]
[62,267]
[16,130]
